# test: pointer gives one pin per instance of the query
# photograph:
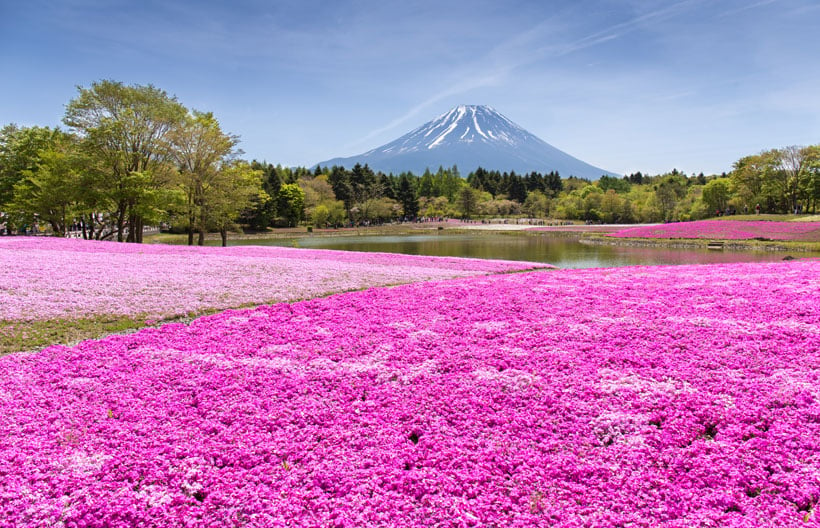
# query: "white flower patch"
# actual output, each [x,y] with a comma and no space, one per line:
[81,463]
[276,350]
[515,351]
[736,325]
[385,348]
[791,383]
[613,382]
[374,362]
[799,326]
[618,428]
[160,354]
[409,374]
[510,379]
[214,359]
[725,400]
[322,363]
[423,333]
[275,363]
[78,381]
[155,496]
[491,326]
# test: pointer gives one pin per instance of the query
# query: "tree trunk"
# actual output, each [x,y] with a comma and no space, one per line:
[131,228]
[120,221]
[201,239]
[224,233]
[190,235]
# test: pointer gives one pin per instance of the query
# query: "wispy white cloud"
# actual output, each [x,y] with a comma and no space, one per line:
[523,49]
[753,5]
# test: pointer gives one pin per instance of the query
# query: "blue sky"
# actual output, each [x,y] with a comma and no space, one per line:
[626,85]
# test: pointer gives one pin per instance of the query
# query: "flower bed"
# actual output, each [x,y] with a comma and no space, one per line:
[48,278]
[667,396]
[727,230]
[593,228]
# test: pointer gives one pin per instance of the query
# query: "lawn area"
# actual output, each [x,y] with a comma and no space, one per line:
[59,290]
[646,396]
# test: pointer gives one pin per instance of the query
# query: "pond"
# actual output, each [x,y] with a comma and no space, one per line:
[558,251]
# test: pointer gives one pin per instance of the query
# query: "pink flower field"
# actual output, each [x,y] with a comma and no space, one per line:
[649,396]
[726,230]
[606,228]
[48,278]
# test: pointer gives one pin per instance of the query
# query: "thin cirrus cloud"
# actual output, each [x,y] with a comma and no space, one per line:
[605,80]
[524,49]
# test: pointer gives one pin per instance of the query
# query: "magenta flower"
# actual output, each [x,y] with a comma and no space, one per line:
[726,230]
[648,396]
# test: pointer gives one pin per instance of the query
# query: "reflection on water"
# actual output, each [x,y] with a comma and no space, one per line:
[560,252]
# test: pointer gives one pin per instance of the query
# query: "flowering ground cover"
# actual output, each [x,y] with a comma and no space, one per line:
[727,230]
[646,396]
[60,280]
[603,228]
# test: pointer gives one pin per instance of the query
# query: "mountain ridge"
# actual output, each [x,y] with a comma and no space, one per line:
[471,136]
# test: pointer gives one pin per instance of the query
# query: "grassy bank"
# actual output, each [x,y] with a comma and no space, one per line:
[18,336]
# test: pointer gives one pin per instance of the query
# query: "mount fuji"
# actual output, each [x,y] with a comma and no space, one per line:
[471,137]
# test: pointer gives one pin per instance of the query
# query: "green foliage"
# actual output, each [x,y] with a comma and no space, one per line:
[407,197]
[124,129]
[467,202]
[620,186]
[135,156]
[716,194]
[49,188]
[291,204]
[537,205]
[233,190]
[20,155]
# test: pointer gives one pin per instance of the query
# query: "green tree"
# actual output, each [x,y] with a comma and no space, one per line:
[537,205]
[320,215]
[668,191]
[468,199]
[619,185]
[229,193]
[793,163]
[407,198]
[200,149]
[716,194]
[365,189]
[262,212]
[427,185]
[125,129]
[339,180]
[748,179]
[291,204]
[50,190]
[20,154]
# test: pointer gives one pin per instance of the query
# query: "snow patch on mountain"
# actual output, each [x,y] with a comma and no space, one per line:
[471,136]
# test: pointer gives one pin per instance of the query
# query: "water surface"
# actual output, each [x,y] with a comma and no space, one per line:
[558,251]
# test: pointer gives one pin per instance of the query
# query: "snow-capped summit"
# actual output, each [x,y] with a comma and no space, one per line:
[471,136]
[462,124]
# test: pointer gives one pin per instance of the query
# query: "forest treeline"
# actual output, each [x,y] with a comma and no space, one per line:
[133,156]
